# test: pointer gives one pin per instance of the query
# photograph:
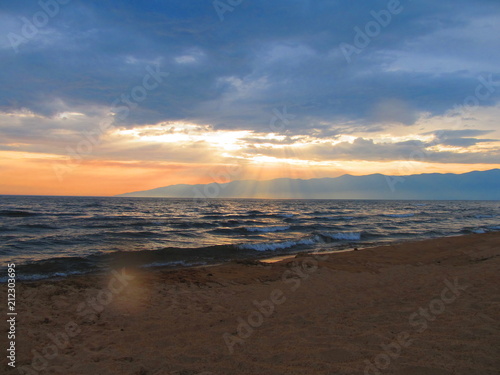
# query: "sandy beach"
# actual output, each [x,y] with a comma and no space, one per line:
[429,307]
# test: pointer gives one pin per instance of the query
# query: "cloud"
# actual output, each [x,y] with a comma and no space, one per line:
[362,149]
[461,138]
[445,133]
[394,111]
[233,73]
[270,68]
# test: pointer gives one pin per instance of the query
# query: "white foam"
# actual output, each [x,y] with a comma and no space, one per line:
[267,229]
[479,231]
[349,236]
[272,246]
[398,215]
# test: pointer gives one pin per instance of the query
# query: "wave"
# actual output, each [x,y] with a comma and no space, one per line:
[18,213]
[101,262]
[41,276]
[112,218]
[272,246]
[95,204]
[228,216]
[39,226]
[268,229]
[339,218]
[227,231]
[479,231]
[194,224]
[318,213]
[255,213]
[343,236]
[35,229]
[230,223]
[214,216]
[398,215]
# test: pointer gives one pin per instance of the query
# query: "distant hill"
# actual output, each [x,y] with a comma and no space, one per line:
[468,186]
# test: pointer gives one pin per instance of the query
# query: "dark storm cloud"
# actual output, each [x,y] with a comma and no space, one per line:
[264,55]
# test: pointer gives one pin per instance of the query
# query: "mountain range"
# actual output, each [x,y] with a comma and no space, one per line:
[478,185]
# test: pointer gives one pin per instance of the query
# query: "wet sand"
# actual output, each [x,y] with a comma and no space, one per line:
[429,307]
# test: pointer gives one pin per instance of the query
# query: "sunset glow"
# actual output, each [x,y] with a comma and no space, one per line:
[273,104]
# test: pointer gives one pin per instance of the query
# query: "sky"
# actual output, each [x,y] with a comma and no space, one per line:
[107,97]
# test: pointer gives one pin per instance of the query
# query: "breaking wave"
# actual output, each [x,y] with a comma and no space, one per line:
[272,246]
[345,236]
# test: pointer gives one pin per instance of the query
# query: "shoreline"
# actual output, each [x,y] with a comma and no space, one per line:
[311,314]
[259,257]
